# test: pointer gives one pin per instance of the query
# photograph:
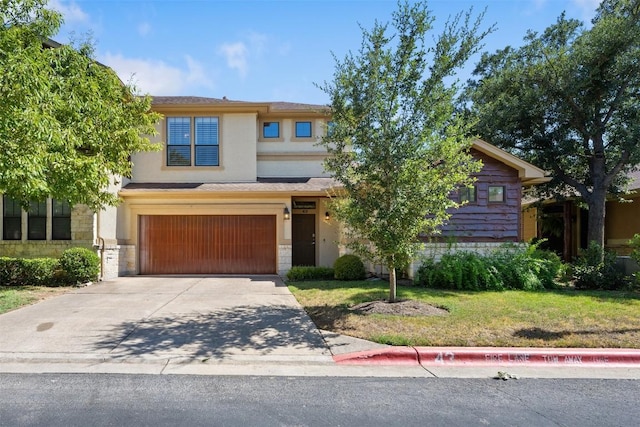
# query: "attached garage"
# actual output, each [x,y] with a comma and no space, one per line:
[207,244]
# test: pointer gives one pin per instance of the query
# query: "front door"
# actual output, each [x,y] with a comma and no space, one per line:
[303,236]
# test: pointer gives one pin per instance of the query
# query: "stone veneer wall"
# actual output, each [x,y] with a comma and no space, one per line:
[284,259]
[118,260]
[436,250]
[82,233]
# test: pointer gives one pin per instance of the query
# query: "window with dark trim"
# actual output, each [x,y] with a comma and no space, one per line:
[193,142]
[11,219]
[178,141]
[303,130]
[206,141]
[37,224]
[496,194]
[271,130]
[467,194]
[60,220]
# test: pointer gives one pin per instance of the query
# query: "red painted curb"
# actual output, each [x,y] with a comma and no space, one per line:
[391,356]
[443,356]
[494,356]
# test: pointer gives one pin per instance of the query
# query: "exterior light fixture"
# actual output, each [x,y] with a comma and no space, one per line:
[287,215]
[327,217]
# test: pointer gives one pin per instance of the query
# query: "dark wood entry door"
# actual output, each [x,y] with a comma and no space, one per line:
[303,236]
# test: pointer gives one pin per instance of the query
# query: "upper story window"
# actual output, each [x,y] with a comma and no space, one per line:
[192,141]
[11,219]
[303,130]
[496,194]
[37,224]
[467,194]
[206,142]
[271,130]
[330,128]
[60,220]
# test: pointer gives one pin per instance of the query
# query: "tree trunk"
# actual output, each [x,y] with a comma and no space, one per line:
[597,212]
[392,284]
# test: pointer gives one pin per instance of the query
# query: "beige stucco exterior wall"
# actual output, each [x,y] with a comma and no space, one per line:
[328,237]
[529,223]
[621,223]
[237,154]
[290,166]
[290,157]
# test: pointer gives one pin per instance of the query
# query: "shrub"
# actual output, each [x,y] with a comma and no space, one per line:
[300,273]
[80,265]
[41,271]
[349,267]
[458,270]
[596,268]
[22,272]
[510,267]
[634,243]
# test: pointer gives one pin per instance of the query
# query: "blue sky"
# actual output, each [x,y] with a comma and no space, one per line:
[264,50]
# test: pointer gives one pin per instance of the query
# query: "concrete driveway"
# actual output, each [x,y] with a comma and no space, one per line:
[166,318]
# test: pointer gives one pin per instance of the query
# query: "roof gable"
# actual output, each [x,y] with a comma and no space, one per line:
[528,173]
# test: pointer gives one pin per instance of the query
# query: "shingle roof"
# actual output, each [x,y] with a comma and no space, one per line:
[201,100]
[185,100]
[266,185]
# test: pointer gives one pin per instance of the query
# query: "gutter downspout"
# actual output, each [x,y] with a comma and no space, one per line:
[101,249]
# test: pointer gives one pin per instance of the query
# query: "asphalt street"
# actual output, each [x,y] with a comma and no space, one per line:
[173,400]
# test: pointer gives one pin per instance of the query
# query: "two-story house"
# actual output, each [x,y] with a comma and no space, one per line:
[239,188]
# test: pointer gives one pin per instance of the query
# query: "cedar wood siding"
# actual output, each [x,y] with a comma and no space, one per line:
[483,221]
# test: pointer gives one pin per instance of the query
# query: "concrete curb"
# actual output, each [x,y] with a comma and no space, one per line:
[493,356]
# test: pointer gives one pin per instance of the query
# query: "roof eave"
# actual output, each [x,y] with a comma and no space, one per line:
[527,172]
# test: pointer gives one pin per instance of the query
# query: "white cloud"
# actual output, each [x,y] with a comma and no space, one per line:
[240,54]
[144,28]
[587,8]
[157,77]
[237,56]
[71,12]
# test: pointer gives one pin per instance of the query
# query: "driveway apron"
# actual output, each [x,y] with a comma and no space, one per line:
[132,318]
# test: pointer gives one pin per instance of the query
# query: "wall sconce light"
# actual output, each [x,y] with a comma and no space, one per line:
[327,217]
[287,215]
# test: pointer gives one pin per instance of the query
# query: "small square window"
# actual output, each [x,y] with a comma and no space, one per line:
[496,194]
[303,129]
[467,194]
[271,130]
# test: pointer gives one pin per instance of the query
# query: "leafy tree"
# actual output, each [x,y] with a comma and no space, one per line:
[395,144]
[568,100]
[67,123]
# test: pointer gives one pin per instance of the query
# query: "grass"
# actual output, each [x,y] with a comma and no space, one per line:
[14,297]
[558,318]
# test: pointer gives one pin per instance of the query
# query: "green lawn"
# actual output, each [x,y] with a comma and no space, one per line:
[13,297]
[559,318]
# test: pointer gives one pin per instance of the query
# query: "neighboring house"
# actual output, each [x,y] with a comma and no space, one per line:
[239,188]
[492,214]
[564,224]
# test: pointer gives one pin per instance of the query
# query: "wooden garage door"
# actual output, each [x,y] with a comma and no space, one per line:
[205,244]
